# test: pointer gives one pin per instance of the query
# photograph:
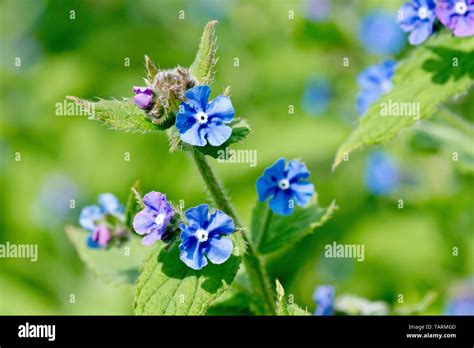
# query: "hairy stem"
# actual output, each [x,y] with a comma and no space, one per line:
[253,264]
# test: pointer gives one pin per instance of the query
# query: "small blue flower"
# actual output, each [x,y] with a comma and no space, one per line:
[374,81]
[205,235]
[93,218]
[417,17]
[200,122]
[381,174]
[380,34]
[285,184]
[324,296]
[316,96]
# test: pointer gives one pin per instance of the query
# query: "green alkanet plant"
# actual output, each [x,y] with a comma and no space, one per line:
[171,273]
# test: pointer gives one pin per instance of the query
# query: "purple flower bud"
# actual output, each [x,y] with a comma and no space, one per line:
[143,97]
[101,236]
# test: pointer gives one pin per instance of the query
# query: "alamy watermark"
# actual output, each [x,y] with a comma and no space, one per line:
[355,251]
[237,156]
[19,251]
[392,108]
[71,106]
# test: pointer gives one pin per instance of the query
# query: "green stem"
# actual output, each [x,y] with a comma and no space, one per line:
[253,264]
[266,225]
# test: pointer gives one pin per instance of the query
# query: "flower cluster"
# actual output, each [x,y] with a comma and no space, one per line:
[418,18]
[105,221]
[285,184]
[202,235]
[374,81]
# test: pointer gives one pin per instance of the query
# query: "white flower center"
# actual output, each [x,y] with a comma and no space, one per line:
[386,86]
[202,235]
[460,7]
[201,117]
[423,12]
[160,218]
[283,184]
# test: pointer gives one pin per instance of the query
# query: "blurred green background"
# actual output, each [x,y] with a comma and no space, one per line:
[407,251]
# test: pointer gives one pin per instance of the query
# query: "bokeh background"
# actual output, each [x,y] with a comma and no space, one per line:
[277,56]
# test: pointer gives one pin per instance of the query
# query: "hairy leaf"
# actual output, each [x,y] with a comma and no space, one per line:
[204,66]
[283,307]
[166,286]
[284,231]
[120,115]
[441,68]
[116,265]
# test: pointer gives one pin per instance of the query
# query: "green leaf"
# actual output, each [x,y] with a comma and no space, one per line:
[283,307]
[134,203]
[441,68]
[284,231]
[116,265]
[120,115]
[204,65]
[166,286]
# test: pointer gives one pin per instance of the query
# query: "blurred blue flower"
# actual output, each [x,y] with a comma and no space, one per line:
[316,96]
[154,218]
[462,300]
[286,185]
[200,122]
[380,34]
[374,81]
[93,218]
[417,17]
[205,235]
[317,10]
[381,174]
[52,204]
[324,297]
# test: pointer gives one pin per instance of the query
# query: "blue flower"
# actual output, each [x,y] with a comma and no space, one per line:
[93,218]
[285,184]
[205,236]
[324,296]
[381,174]
[374,81]
[461,300]
[316,96]
[380,34]
[417,17]
[200,122]
[154,218]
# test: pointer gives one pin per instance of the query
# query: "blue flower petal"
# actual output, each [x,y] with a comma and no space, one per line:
[302,192]
[194,135]
[193,255]
[89,215]
[276,170]
[420,33]
[185,119]
[280,203]
[152,237]
[220,224]
[297,170]
[111,205]
[91,243]
[265,188]
[198,215]
[199,94]
[219,249]
[222,108]
[217,134]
